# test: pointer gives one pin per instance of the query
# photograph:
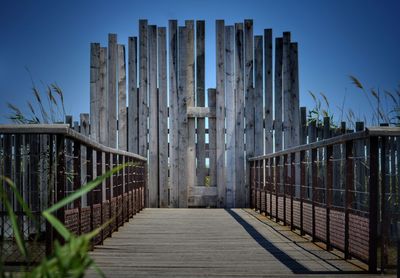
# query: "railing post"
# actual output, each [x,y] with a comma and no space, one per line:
[285,189]
[329,180]
[302,187]
[271,183]
[348,198]
[60,177]
[77,179]
[277,186]
[89,175]
[49,228]
[373,203]
[384,206]
[314,185]
[99,190]
[292,186]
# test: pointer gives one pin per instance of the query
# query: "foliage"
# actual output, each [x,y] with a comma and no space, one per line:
[70,259]
[320,110]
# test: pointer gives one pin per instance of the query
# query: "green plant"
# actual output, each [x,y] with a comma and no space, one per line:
[320,110]
[70,259]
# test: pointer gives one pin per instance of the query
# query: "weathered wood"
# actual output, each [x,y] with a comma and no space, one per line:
[258,96]
[84,123]
[153,117]
[249,97]
[286,90]
[143,110]
[94,90]
[112,93]
[182,118]
[212,94]
[278,95]
[201,112]
[200,100]
[133,132]
[268,148]
[294,96]
[303,125]
[162,118]
[173,114]
[240,189]
[122,115]
[230,170]
[220,110]
[103,99]
[190,91]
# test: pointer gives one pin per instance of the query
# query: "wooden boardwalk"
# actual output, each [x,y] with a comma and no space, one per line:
[212,242]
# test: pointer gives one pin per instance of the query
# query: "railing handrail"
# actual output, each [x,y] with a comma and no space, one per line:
[63,129]
[368,132]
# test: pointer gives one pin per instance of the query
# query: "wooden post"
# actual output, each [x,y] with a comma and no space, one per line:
[278,94]
[143,112]
[230,170]
[294,95]
[277,181]
[373,203]
[220,111]
[61,177]
[162,118]
[249,94]
[94,90]
[212,138]
[173,114]
[122,115]
[348,194]
[240,191]
[268,91]
[133,133]
[84,123]
[153,117]
[329,192]
[314,172]
[285,174]
[182,119]
[200,85]
[293,171]
[303,125]
[112,93]
[302,187]
[258,97]
[190,91]
[288,112]
[103,100]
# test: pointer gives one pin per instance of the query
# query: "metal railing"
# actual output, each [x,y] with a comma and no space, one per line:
[49,162]
[343,191]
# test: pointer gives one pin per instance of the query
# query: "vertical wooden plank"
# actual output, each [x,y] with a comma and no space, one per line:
[162,118]
[190,91]
[173,113]
[84,123]
[200,85]
[220,112]
[122,117]
[249,95]
[103,99]
[94,90]
[268,91]
[182,119]
[303,125]
[212,139]
[294,95]
[373,203]
[143,87]
[230,115]
[240,190]
[278,94]
[286,89]
[153,117]
[258,96]
[133,115]
[349,172]
[112,93]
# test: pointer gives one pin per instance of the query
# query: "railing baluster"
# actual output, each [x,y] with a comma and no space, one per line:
[314,174]
[348,195]
[329,180]
[373,203]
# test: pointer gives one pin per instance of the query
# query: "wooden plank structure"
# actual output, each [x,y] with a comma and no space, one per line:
[167,121]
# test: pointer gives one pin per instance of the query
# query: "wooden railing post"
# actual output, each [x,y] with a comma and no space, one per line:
[302,187]
[89,175]
[285,182]
[77,179]
[384,206]
[292,186]
[348,195]
[277,186]
[60,185]
[329,180]
[373,203]
[271,183]
[314,185]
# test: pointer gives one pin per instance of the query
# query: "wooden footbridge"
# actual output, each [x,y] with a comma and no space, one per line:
[289,195]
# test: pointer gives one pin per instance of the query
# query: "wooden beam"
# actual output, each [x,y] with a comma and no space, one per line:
[288,112]
[201,112]
[268,91]
[103,100]
[295,99]
[94,90]
[122,117]
[212,138]
[143,112]
[278,95]
[112,93]
[133,115]
[258,96]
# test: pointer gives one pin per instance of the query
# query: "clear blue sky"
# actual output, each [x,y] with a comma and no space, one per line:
[336,38]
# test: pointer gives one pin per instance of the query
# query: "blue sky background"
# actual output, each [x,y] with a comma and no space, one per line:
[336,38]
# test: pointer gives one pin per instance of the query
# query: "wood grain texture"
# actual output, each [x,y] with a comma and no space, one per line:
[122,115]
[94,90]
[295,98]
[258,97]
[143,109]
[103,99]
[173,113]
[200,100]
[287,91]
[230,170]
[112,90]
[133,112]
[278,95]
[153,117]
[268,124]
[220,124]
[162,118]
[212,138]
[240,189]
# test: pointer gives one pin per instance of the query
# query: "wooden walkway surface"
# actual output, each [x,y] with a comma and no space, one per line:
[212,242]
